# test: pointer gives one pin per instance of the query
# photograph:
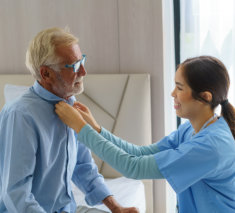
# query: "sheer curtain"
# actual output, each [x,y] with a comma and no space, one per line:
[208,28]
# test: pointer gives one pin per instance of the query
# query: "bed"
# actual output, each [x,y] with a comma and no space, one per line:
[120,103]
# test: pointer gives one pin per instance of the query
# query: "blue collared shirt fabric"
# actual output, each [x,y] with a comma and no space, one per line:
[39,156]
[200,168]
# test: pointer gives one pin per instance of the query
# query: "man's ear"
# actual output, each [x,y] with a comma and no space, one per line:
[45,73]
[207,96]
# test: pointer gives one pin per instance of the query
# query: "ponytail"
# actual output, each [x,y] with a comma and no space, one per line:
[228,112]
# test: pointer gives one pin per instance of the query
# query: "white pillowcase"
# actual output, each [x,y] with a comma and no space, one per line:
[12,92]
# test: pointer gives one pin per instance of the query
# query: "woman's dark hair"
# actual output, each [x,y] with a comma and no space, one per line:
[207,73]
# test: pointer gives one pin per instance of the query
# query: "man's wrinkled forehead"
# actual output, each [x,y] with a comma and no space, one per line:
[69,54]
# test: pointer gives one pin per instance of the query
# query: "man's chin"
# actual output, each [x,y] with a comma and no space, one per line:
[75,91]
[78,91]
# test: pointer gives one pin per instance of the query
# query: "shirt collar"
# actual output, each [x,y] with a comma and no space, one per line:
[48,96]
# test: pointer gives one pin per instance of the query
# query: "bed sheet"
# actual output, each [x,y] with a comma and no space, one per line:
[120,188]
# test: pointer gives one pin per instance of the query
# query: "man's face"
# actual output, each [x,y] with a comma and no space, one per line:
[66,82]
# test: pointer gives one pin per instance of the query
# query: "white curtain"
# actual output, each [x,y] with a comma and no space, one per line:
[208,28]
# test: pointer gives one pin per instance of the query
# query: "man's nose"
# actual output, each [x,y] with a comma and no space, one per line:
[82,71]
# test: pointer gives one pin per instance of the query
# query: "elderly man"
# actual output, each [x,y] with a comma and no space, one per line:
[39,155]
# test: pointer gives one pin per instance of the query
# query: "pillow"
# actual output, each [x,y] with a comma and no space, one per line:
[12,92]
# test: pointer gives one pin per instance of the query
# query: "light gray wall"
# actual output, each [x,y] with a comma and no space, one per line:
[118,36]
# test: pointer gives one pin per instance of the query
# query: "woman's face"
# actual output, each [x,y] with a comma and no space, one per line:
[185,105]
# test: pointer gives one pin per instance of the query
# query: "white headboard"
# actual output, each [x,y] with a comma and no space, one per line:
[119,102]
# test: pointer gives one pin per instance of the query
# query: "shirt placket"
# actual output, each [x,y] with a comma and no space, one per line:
[68,170]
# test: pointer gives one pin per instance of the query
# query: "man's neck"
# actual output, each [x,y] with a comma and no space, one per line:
[45,86]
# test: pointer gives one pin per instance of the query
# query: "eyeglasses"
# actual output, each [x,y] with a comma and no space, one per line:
[76,66]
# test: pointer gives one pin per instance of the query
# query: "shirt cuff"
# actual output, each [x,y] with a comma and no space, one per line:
[97,195]
[165,174]
[104,132]
[83,132]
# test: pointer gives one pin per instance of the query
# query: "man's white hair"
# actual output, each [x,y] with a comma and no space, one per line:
[42,49]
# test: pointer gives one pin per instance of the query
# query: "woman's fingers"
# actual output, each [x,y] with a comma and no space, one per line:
[61,108]
[84,114]
[81,106]
[70,116]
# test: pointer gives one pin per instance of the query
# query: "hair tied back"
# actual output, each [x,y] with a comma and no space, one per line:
[224,103]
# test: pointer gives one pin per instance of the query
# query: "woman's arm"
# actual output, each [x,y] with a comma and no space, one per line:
[76,121]
[129,147]
[131,166]
[137,167]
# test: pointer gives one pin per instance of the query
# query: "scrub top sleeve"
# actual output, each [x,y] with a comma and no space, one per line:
[192,161]
[172,141]
[168,142]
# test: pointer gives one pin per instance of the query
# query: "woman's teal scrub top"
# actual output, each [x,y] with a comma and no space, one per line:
[200,168]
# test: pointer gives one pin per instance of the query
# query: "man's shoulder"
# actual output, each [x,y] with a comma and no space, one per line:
[21,104]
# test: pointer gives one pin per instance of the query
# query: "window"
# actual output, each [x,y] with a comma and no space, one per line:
[207,27]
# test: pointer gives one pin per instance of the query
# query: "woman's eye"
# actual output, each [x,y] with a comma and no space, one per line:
[179,88]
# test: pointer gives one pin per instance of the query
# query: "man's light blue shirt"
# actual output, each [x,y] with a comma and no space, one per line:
[39,156]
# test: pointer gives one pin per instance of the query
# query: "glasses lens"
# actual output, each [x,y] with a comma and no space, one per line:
[83,61]
[77,66]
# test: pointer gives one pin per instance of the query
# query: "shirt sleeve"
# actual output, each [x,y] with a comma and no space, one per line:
[192,161]
[18,158]
[131,166]
[129,147]
[87,178]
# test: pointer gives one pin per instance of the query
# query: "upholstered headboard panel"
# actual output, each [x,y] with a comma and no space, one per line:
[119,102]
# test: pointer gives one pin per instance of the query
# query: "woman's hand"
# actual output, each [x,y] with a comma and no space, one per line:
[87,116]
[70,116]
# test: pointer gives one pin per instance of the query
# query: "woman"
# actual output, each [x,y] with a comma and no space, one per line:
[198,160]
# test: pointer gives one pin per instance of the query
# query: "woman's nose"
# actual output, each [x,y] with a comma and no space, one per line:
[173,93]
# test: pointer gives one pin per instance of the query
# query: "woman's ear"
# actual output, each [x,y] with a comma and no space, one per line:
[207,96]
